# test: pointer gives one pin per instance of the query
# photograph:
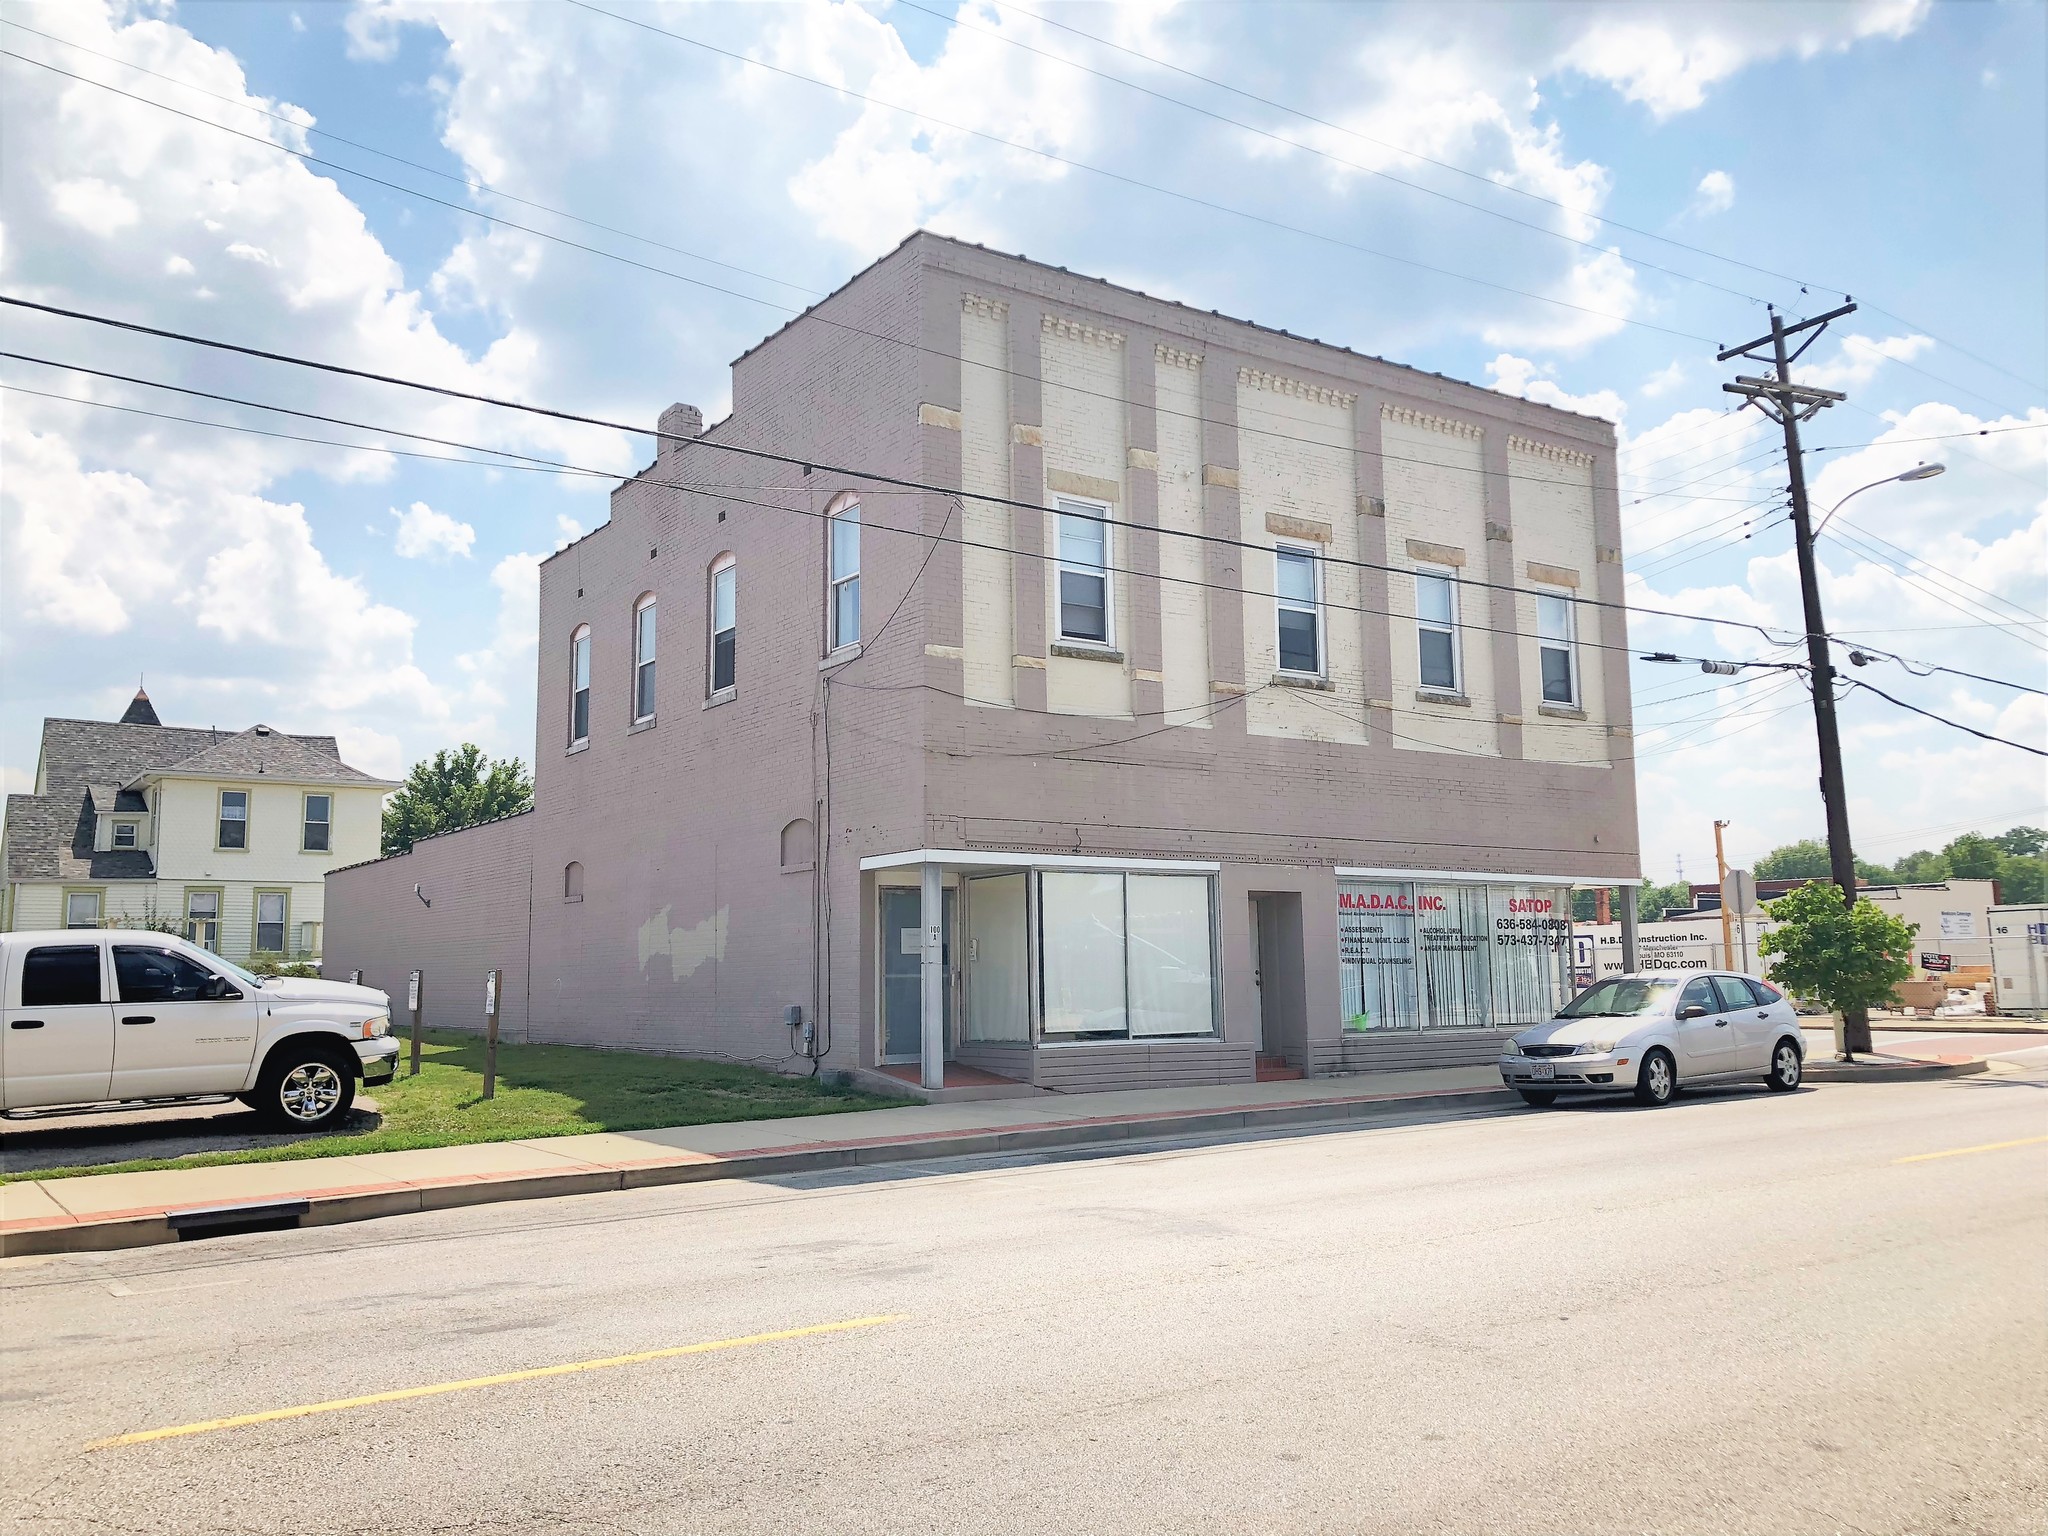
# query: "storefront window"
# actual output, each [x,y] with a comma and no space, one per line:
[1126,956]
[1376,949]
[1451,956]
[1532,930]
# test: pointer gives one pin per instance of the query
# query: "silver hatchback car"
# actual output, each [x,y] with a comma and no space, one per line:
[1647,1034]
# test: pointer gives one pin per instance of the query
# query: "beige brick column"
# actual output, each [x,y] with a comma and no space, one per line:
[1375,627]
[1501,606]
[1225,565]
[1141,484]
[1027,484]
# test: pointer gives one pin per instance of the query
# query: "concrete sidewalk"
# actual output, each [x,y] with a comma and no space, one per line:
[126,1210]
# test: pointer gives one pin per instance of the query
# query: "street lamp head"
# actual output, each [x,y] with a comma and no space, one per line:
[1922,472]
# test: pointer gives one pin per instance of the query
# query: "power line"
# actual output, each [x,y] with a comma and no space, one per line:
[806,463]
[1943,719]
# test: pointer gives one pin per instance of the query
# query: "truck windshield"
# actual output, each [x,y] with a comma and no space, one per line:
[1622,997]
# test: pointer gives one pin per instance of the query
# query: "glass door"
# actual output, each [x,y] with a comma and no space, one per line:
[903,973]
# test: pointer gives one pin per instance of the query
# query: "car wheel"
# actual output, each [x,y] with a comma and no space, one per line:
[305,1087]
[1786,1068]
[1537,1098]
[1657,1080]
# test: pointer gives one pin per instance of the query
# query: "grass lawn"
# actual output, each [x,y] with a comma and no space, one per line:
[543,1090]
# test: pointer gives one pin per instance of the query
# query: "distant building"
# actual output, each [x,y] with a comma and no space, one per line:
[1247,703]
[223,836]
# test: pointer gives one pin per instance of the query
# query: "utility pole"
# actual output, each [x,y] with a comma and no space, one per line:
[1721,876]
[1788,404]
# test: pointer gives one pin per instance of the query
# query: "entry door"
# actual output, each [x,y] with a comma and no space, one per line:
[171,1037]
[1706,1045]
[58,1047]
[1258,979]
[903,973]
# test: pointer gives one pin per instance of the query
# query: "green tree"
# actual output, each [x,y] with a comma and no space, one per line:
[1974,857]
[1848,959]
[1806,860]
[2023,878]
[2023,840]
[1651,900]
[455,789]
[1922,868]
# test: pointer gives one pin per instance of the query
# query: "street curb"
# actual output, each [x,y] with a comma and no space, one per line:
[1872,1072]
[141,1229]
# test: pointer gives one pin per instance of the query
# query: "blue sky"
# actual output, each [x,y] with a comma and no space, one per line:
[1680,165]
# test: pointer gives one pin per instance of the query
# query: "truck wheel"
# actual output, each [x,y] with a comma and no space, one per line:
[305,1086]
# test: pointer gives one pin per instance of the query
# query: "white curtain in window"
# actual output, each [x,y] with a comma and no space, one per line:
[1532,932]
[1081,926]
[1452,935]
[1171,979]
[1376,956]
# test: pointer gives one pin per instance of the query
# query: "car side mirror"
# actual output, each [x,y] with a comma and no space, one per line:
[1692,1011]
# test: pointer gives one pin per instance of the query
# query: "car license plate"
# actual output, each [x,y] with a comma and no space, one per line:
[1544,1071]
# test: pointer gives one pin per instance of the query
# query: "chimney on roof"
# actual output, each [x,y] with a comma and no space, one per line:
[140,711]
[678,422]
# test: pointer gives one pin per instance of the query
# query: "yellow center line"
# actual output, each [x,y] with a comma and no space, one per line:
[1989,1146]
[504,1378]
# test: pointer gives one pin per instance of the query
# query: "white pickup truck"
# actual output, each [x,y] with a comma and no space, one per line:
[94,1018]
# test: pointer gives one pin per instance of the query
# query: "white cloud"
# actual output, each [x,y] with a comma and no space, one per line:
[1513,375]
[424,534]
[1664,380]
[177,266]
[1667,57]
[1714,194]
[95,206]
[1858,358]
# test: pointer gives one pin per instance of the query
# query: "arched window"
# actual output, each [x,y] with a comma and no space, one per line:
[572,881]
[798,846]
[643,658]
[842,573]
[579,685]
[724,623]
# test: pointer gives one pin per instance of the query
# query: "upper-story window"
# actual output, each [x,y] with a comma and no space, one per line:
[1298,600]
[1436,631]
[724,623]
[643,659]
[579,685]
[1084,592]
[124,834]
[234,819]
[843,576]
[318,828]
[1557,650]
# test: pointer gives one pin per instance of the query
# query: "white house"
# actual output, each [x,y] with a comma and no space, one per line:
[224,836]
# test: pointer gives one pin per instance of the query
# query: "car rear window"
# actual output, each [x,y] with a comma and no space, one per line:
[1765,992]
[60,976]
[1734,992]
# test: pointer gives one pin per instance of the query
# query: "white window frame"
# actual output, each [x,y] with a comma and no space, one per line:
[1097,511]
[837,580]
[1314,607]
[1455,629]
[719,567]
[99,909]
[307,821]
[579,660]
[134,832]
[644,648]
[221,819]
[1568,642]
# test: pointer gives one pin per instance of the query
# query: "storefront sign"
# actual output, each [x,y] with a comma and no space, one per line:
[1959,925]
[1451,955]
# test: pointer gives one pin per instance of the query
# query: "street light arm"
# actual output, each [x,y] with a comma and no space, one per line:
[1917,472]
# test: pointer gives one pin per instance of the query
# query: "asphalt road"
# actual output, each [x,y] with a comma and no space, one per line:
[1742,1313]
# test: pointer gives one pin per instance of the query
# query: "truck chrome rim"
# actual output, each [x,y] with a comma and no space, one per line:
[1660,1078]
[1788,1066]
[310,1091]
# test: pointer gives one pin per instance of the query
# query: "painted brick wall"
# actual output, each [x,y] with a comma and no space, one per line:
[1183,605]
[1551,492]
[1295,452]
[1082,371]
[987,639]
[1435,495]
[478,883]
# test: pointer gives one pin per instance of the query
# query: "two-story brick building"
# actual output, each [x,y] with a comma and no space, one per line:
[1222,694]
[224,836]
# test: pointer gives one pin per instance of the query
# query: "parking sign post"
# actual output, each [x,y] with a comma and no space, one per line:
[491,1033]
[412,1001]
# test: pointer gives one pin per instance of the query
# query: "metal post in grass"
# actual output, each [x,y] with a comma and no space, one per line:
[412,1001]
[491,979]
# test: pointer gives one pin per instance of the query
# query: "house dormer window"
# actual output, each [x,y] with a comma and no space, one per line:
[234,819]
[124,834]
